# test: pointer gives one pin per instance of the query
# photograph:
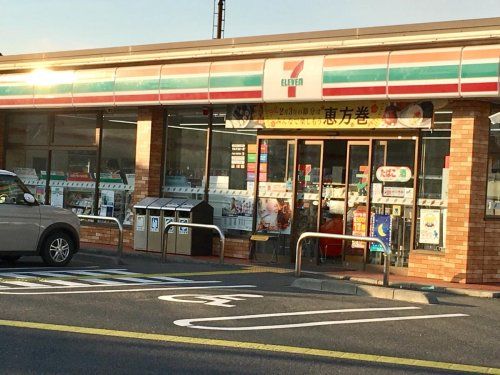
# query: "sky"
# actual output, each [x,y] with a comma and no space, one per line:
[28,26]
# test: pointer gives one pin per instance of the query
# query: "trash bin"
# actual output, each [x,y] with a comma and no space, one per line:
[194,241]
[169,215]
[155,229]
[141,223]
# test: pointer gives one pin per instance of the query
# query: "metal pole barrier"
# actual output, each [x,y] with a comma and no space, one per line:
[192,225]
[119,251]
[298,252]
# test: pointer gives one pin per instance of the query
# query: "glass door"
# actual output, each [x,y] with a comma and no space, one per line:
[392,198]
[357,195]
[307,194]
[333,199]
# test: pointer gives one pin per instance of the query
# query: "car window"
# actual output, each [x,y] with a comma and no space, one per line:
[11,190]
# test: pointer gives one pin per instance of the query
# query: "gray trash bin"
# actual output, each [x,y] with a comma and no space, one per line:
[141,223]
[169,215]
[155,220]
[194,241]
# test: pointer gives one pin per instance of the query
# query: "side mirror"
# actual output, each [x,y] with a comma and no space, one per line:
[28,198]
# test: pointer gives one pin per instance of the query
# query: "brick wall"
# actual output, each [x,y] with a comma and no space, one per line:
[472,252]
[233,248]
[105,235]
[149,148]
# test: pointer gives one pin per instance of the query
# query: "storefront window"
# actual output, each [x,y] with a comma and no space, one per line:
[29,165]
[117,175]
[75,129]
[430,233]
[69,141]
[28,129]
[275,193]
[72,180]
[232,176]
[186,152]
[493,189]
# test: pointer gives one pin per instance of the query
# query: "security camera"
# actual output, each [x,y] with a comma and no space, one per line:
[495,119]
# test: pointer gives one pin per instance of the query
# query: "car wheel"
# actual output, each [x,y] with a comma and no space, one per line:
[10,258]
[58,249]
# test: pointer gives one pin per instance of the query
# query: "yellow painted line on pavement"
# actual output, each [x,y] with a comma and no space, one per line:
[331,354]
[171,274]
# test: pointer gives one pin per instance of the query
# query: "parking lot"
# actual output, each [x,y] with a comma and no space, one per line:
[232,314]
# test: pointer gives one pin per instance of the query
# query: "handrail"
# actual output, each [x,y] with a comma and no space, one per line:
[119,250]
[298,253]
[191,225]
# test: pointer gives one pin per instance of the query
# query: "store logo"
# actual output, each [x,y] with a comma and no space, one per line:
[295,68]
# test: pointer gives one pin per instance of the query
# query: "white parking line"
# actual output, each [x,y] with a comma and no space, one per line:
[102,284]
[136,289]
[65,283]
[188,322]
[24,284]
[137,280]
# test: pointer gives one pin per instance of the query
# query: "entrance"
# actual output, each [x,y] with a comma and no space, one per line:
[362,187]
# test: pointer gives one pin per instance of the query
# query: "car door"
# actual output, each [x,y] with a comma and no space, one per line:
[19,221]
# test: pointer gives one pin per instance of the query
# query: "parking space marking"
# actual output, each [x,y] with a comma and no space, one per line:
[159,288]
[261,347]
[188,322]
[211,300]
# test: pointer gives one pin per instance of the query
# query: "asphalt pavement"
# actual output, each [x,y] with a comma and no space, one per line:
[147,317]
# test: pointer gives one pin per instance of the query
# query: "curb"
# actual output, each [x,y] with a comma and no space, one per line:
[342,287]
[111,254]
[419,287]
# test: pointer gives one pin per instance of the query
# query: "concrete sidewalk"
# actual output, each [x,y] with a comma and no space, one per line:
[327,272]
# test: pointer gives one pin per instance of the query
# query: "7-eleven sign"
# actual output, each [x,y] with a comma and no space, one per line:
[293,79]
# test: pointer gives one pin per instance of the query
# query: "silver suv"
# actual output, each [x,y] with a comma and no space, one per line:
[28,228]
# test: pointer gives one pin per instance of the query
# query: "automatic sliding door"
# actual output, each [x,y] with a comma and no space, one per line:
[358,178]
[307,193]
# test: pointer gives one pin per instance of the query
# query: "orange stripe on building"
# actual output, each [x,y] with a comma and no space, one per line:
[355,59]
[82,75]
[424,57]
[185,69]
[290,65]
[143,71]
[479,53]
[237,67]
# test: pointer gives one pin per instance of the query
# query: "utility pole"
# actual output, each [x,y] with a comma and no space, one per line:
[217,33]
[218,19]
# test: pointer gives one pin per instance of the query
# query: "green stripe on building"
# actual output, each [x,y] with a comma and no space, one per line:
[359,75]
[137,85]
[236,81]
[423,72]
[90,87]
[184,83]
[16,90]
[64,88]
[480,70]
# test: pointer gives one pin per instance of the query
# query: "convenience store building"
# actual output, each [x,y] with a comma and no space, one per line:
[380,131]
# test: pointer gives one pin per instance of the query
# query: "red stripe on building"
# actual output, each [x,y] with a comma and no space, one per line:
[137,98]
[345,91]
[479,86]
[424,89]
[257,94]
[18,101]
[185,96]
[93,99]
[62,100]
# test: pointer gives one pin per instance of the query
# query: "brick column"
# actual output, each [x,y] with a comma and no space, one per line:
[464,256]
[2,140]
[148,153]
